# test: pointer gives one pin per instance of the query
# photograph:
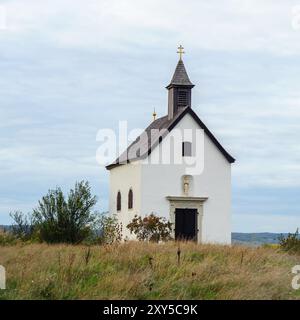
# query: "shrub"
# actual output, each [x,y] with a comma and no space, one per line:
[151,228]
[59,219]
[291,242]
[70,220]
[110,228]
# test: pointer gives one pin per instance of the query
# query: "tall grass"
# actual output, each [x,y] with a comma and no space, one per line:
[136,270]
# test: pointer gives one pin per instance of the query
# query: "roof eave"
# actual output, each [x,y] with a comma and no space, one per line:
[178,85]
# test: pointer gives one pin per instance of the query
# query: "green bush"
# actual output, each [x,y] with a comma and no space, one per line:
[291,242]
[69,220]
[59,219]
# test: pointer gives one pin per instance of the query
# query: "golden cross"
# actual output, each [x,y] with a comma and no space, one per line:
[154,115]
[180,51]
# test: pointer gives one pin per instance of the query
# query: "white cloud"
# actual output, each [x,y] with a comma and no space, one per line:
[69,68]
[256,25]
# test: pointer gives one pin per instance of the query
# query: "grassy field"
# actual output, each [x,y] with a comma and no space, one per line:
[147,271]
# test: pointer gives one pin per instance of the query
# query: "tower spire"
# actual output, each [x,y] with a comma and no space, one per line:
[180,88]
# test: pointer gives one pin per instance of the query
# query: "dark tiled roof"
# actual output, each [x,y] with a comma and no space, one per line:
[153,135]
[180,77]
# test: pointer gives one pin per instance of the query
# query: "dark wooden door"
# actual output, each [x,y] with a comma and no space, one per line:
[186,224]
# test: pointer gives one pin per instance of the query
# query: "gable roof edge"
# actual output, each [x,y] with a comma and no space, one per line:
[229,158]
[189,110]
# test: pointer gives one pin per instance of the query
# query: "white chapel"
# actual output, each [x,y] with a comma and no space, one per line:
[176,169]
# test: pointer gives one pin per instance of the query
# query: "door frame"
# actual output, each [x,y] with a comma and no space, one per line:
[187,203]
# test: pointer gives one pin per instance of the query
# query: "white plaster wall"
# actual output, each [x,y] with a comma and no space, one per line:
[122,178]
[160,180]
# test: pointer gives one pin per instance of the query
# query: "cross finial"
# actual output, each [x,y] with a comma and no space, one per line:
[180,51]
[154,115]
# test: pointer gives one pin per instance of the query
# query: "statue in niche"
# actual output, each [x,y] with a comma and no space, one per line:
[186,185]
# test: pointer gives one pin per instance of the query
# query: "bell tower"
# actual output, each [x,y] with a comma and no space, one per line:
[179,89]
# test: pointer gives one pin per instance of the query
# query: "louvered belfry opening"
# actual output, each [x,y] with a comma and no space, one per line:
[180,90]
[182,98]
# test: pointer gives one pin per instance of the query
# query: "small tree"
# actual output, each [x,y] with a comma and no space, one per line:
[151,228]
[68,220]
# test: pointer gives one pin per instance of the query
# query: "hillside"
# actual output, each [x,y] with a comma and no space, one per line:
[147,271]
[255,239]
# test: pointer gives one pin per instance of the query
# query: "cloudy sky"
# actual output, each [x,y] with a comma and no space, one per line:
[71,67]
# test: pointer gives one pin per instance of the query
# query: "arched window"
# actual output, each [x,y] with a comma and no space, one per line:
[186,149]
[130,199]
[119,201]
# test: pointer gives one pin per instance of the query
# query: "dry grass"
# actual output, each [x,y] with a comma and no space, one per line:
[146,271]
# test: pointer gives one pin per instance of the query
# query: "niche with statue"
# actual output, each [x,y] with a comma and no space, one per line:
[187,185]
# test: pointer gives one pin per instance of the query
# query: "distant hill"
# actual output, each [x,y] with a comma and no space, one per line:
[5,227]
[255,239]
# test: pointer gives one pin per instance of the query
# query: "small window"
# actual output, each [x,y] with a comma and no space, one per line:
[186,149]
[130,199]
[119,201]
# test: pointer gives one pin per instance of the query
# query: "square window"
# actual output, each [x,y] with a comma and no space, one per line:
[186,149]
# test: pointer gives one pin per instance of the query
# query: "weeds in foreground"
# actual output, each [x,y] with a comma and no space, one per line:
[136,270]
